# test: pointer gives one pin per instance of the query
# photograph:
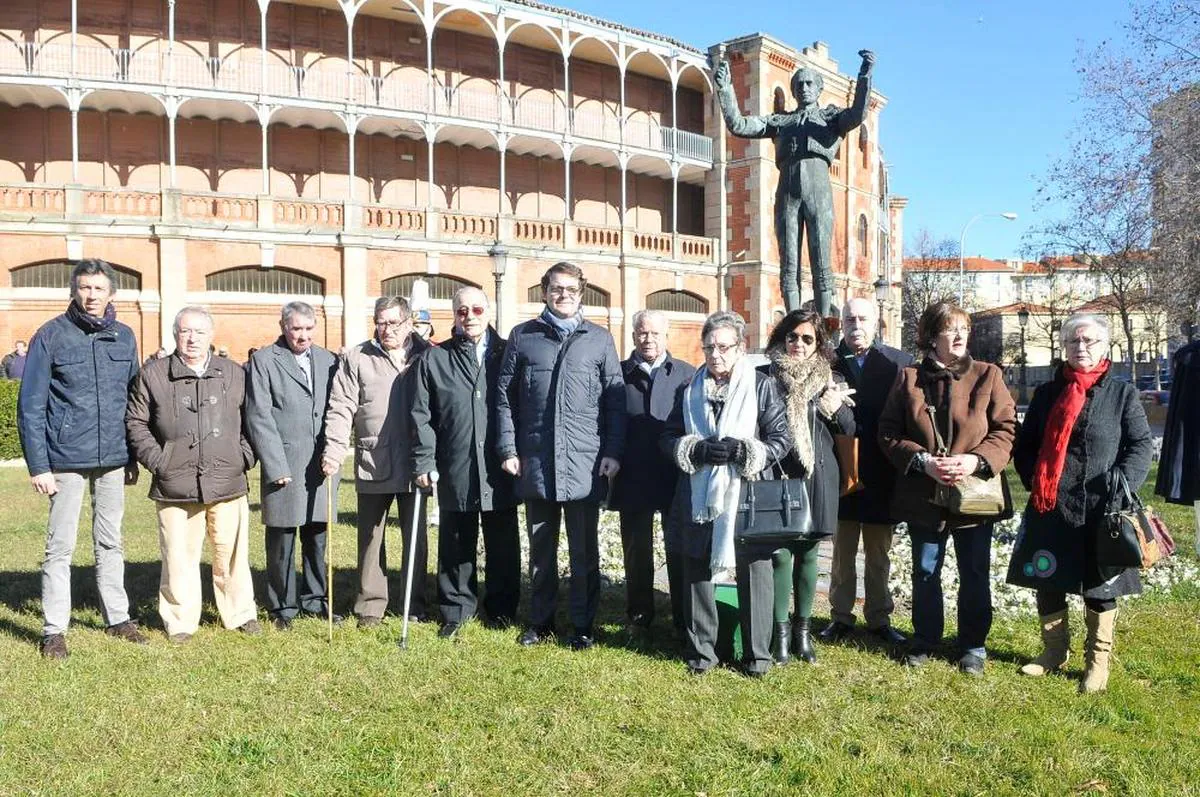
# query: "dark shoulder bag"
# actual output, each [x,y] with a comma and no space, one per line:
[1131,534]
[773,510]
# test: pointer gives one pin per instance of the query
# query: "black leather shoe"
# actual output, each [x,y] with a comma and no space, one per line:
[282,623]
[835,631]
[972,665]
[916,658]
[581,641]
[498,623]
[802,645]
[323,617]
[449,630]
[535,636]
[888,635]
[781,642]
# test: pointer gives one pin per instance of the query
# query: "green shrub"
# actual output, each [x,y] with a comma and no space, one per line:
[10,441]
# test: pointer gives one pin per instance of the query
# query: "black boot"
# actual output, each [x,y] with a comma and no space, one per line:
[802,641]
[779,645]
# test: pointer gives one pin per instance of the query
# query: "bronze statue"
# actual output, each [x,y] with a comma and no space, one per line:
[806,142]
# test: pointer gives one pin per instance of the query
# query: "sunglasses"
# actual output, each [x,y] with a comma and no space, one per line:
[474,310]
[795,337]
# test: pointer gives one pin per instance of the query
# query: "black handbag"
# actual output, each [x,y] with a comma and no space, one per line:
[1131,535]
[773,510]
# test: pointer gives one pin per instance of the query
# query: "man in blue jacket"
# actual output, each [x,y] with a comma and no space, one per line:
[560,418]
[70,414]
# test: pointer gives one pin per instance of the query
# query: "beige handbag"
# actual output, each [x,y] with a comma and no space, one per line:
[973,496]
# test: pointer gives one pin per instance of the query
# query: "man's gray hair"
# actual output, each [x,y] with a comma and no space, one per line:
[85,268]
[303,309]
[642,315]
[384,303]
[724,319]
[457,300]
[193,309]
[1083,320]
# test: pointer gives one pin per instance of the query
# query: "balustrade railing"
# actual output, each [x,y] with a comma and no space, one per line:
[243,72]
[28,202]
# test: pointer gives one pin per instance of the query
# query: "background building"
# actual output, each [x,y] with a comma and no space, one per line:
[240,153]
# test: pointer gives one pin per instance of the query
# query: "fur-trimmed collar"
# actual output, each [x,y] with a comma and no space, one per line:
[803,381]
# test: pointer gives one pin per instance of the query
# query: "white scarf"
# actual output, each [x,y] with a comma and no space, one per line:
[716,488]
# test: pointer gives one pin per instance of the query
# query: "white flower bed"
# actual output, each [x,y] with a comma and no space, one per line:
[1011,601]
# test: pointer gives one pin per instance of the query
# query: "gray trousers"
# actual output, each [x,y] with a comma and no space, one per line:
[108,508]
[756,603]
[286,598]
[373,508]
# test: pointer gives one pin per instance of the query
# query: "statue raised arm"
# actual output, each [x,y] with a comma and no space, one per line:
[807,141]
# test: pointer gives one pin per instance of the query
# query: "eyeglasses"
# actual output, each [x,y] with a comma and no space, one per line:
[474,310]
[710,348]
[564,290]
[795,337]
[1085,343]
[952,331]
[390,324]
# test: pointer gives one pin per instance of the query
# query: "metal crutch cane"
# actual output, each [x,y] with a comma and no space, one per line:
[418,503]
[329,498]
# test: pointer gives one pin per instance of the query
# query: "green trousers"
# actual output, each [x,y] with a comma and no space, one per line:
[794,568]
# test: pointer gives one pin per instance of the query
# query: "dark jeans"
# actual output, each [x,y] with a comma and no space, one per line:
[1050,602]
[282,599]
[542,518]
[458,585]
[973,550]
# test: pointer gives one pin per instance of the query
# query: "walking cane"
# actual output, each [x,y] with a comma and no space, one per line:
[329,488]
[418,502]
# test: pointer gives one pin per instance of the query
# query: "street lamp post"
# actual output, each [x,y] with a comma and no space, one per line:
[1022,320]
[882,291]
[499,257]
[962,241]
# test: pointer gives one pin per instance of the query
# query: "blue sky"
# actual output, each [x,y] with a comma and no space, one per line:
[981,94]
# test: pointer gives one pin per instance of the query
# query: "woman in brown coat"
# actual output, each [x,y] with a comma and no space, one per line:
[976,418]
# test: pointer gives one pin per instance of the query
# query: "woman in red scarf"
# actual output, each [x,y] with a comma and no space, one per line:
[1080,429]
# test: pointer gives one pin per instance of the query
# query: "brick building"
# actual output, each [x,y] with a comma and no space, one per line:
[205,149]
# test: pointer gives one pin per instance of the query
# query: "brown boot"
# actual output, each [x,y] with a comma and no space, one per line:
[1097,650]
[1056,646]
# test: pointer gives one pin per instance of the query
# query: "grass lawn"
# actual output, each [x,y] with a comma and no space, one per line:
[287,713]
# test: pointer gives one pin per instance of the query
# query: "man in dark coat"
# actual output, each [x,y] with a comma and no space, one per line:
[69,414]
[653,381]
[13,364]
[185,422]
[454,394]
[870,368]
[1179,469]
[560,415]
[287,392]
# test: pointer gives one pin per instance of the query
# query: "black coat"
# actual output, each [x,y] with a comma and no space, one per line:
[454,426]
[873,383]
[647,477]
[824,483]
[560,408]
[1179,468]
[696,538]
[1110,433]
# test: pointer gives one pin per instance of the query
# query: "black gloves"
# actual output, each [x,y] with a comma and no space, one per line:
[718,452]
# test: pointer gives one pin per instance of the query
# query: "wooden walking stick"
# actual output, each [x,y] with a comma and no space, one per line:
[329,510]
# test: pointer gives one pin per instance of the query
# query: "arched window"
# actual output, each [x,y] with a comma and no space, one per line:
[592,296]
[862,236]
[441,286]
[677,302]
[57,274]
[252,279]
